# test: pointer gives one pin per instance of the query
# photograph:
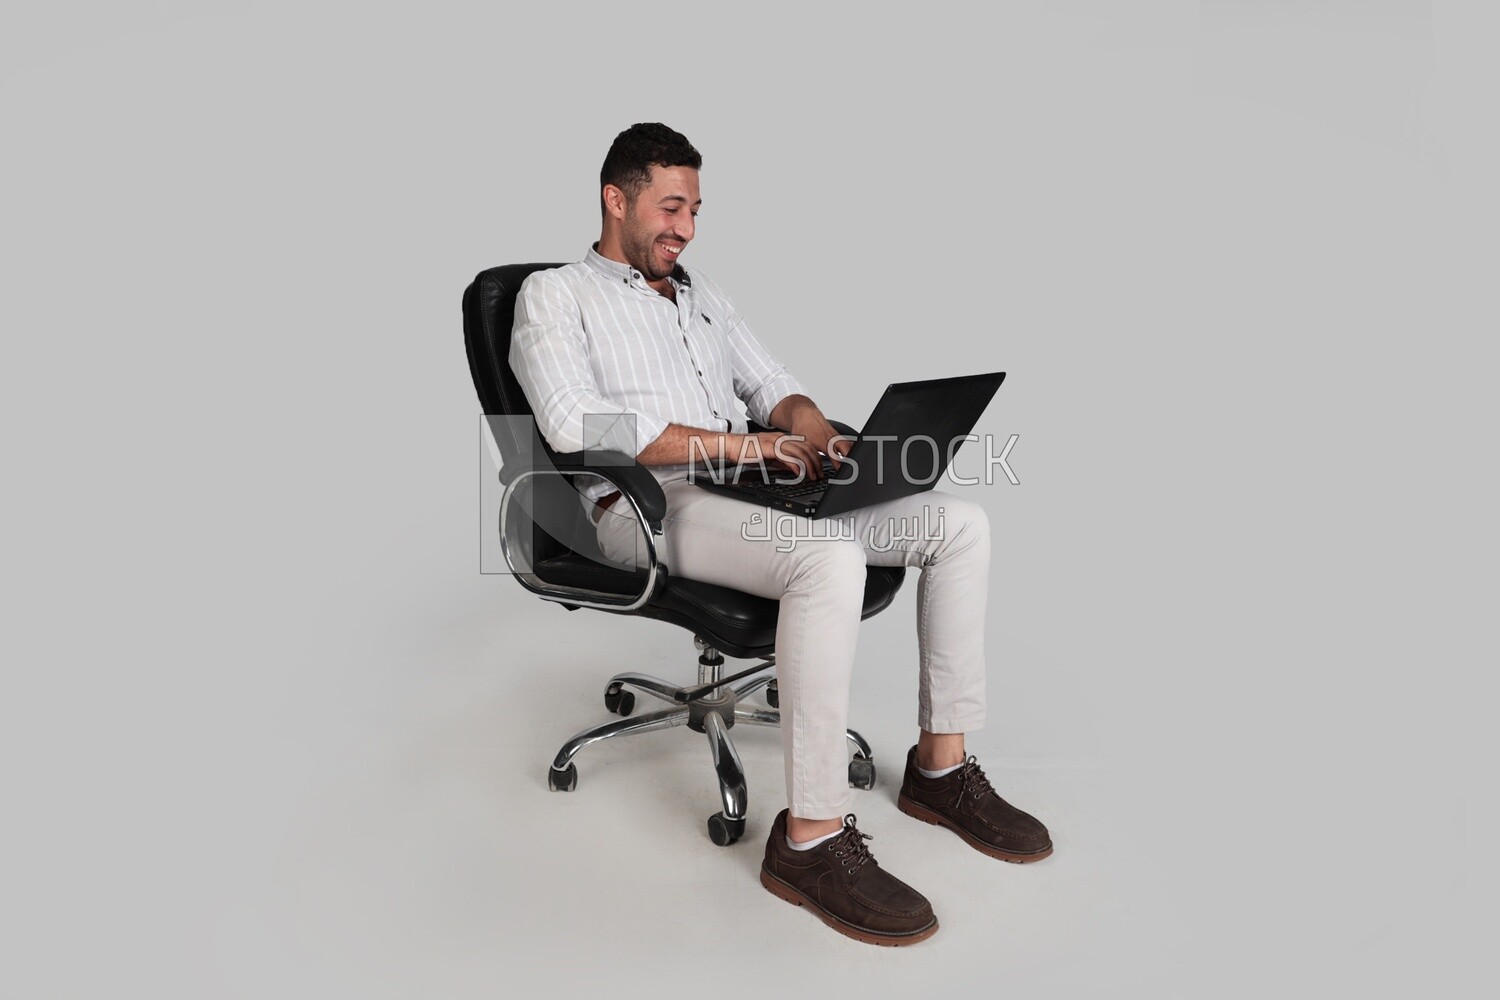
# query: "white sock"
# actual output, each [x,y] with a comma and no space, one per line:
[810,844]
[938,774]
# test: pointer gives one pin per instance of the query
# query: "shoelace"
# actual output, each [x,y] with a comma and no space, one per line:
[850,845]
[972,781]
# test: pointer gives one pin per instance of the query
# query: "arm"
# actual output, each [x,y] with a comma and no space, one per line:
[800,416]
[762,382]
[549,355]
[683,445]
[774,398]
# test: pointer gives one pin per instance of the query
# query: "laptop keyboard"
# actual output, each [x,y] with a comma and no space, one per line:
[790,491]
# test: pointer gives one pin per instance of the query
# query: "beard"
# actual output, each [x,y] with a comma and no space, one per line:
[639,248]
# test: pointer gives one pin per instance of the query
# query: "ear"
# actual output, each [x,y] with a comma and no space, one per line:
[614,202]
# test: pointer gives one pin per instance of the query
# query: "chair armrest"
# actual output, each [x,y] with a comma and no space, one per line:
[625,473]
[621,470]
[632,479]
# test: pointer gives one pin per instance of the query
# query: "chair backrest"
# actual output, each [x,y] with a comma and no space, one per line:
[489,315]
[489,309]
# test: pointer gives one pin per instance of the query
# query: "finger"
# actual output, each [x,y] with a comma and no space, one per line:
[808,464]
[837,449]
[791,458]
[814,460]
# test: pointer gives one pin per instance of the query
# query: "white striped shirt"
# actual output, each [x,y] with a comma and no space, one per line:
[607,362]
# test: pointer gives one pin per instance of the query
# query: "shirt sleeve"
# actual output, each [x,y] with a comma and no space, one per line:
[549,354]
[759,379]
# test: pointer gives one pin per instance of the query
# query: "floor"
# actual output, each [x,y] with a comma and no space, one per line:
[435,862]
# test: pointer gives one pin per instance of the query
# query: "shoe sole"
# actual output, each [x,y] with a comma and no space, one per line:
[781,890]
[926,815]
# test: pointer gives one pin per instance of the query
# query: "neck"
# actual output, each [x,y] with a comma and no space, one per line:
[609,248]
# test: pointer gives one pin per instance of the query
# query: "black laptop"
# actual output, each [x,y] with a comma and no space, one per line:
[904,448]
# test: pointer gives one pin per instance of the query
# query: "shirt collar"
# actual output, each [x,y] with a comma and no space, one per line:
[615,271]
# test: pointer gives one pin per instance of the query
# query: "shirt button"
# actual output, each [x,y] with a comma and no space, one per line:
[700,371]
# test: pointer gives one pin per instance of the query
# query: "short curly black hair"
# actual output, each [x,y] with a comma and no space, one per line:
[636,150]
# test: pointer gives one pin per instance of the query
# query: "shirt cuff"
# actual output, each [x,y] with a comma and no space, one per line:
[764,399]
[627,433]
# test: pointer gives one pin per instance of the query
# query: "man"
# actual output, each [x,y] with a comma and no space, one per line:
[628,350]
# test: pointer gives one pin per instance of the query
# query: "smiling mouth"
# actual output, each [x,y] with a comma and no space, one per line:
[672,249]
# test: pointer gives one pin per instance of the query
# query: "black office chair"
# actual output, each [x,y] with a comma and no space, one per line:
[549,545]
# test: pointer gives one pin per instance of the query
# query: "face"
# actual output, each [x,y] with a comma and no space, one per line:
[659,225]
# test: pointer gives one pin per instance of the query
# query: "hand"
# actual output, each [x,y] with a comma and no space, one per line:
[786,451]
[809,422]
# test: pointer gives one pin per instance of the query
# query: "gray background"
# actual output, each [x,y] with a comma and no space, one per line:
[267,732]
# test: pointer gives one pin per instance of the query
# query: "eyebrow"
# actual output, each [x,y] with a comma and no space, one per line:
[678,197]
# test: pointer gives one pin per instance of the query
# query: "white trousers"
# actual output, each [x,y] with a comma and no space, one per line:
[816,569]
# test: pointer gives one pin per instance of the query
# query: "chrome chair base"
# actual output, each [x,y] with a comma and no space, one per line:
[712,713]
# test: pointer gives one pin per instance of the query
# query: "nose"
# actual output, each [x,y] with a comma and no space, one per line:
[683,228]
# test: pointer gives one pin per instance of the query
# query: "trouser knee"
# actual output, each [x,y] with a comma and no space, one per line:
[962,523]
[830,566]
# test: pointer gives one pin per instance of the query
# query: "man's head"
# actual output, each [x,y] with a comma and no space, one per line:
[649,197]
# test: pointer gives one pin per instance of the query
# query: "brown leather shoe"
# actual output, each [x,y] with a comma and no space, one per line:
[841,882]
[965,803]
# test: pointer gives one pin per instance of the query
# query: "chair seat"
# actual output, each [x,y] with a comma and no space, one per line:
[738,623]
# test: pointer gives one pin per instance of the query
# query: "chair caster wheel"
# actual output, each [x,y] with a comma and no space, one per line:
[563,781]
[861,772]
[618,700]
[773,696]
[724,831]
